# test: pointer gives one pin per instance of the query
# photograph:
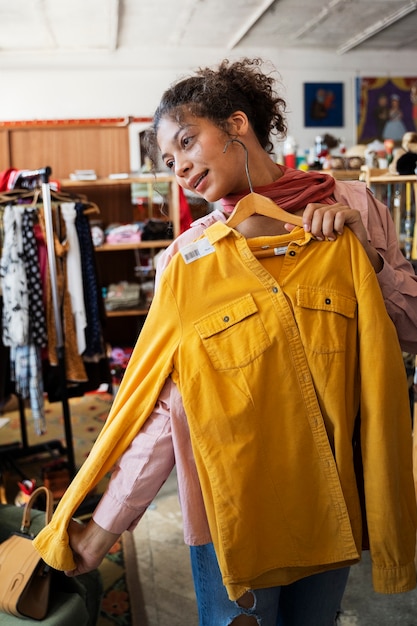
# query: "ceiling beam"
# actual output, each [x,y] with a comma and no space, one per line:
[40,11]
[189,8]
[249,23]
[114,20]
[320,17]
[377,27]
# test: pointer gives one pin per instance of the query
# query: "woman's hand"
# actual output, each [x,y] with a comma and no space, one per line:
[327,221]
[90,544]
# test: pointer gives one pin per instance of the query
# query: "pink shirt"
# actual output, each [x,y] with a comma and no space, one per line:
[164,440]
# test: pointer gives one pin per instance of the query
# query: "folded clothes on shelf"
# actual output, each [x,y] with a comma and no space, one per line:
[123,295]
[124,233]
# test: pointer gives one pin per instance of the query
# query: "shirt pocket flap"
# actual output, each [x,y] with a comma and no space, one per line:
[321,299]
[228,315]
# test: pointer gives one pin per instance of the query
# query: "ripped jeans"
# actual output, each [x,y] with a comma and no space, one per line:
[312,601]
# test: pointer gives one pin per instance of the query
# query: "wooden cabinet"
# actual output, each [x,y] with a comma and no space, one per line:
[66,146]
[343,174]
[128,261]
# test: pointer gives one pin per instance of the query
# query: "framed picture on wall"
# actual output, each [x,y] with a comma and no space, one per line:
[136,148]
[386,108]
[323,105]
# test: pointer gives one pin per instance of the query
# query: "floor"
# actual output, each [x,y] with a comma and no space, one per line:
[168,594]
[164,565]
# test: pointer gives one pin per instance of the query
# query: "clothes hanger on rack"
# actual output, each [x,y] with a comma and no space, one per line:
[34,199]
[11,196]
[64,196]
[91,208]
[256,204]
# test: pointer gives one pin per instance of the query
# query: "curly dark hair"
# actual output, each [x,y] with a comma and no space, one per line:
[216,93]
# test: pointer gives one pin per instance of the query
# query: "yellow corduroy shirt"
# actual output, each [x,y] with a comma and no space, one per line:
[273,371]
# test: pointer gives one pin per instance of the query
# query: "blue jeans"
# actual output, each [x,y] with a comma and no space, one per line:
[311,601]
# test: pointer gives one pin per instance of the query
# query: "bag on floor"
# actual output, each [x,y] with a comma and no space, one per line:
[24,577]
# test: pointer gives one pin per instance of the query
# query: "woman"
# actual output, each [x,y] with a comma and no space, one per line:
[195,133]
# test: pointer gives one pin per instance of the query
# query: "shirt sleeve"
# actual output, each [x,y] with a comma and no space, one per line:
[386,448]
[397,278]
[140,472]
[149,367]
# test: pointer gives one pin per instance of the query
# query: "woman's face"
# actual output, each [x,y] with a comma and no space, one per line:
[194,150]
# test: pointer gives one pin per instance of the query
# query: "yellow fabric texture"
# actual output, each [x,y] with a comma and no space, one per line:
[273,372]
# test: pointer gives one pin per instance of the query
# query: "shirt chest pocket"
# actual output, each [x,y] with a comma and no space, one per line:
[233,335]
[326,319]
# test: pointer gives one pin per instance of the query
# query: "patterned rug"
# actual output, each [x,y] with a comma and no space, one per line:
[87,415]
[122,596]
[122,602]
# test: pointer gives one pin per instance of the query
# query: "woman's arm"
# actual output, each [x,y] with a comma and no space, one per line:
[90,544]
[135,481]
[140,472]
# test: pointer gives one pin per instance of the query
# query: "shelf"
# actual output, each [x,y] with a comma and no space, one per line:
[343,174]
[114,182]
[113,197]
[141,245]
[392,179]
[127,313]
[384,177]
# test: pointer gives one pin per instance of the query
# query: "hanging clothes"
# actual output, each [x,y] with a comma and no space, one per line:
[24,328]
[95,349]
[74,366]
[74,274]
[26,372]
[14,283]
[29,317]
[37,319]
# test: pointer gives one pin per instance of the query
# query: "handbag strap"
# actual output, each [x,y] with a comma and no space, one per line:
[29,504]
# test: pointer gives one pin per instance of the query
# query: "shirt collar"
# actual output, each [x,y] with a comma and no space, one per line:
[220,230]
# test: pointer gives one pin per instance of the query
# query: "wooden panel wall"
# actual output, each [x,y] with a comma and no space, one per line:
[65,149]
[4,150]
[114,201]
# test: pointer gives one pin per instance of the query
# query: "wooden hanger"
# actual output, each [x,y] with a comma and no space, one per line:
[11,196]
[33,197]
[257,204]
[91,208]
[65,196]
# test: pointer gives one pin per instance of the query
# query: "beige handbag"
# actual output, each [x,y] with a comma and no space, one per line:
[24,578]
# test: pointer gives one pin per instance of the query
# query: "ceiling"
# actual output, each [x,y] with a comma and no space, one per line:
[68,27]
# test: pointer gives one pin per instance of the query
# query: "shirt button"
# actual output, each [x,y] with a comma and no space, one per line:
[226,318]
[275,289]
[328,301]
[292,253]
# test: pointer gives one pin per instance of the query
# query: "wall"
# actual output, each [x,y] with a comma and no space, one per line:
[103,85]
[66,148]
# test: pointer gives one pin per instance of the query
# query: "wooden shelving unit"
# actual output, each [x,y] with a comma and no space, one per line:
[116,262]
[117,247]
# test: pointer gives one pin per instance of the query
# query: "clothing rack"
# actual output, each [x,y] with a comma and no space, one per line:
[23,449]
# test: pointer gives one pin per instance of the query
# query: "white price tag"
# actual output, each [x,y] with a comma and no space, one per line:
[196,250]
